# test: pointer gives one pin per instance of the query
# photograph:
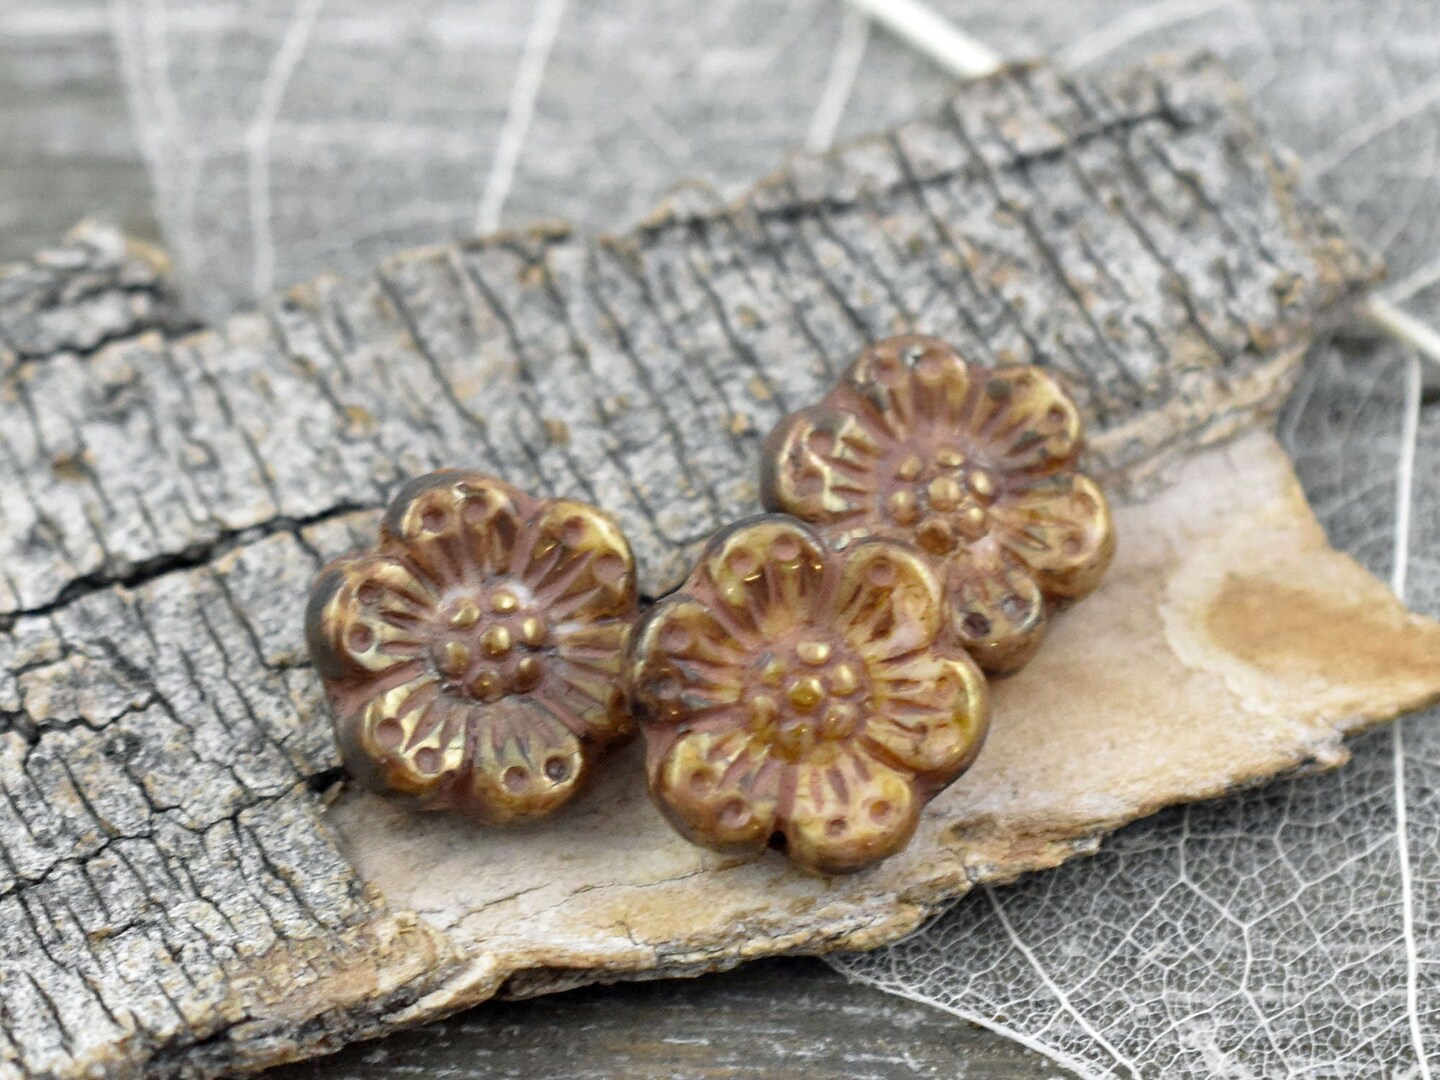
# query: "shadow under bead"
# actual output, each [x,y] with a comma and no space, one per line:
[472,657]
[802,698]
[976,467]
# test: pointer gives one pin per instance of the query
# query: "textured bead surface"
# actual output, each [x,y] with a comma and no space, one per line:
[471,658]
[976,467]
[803,698]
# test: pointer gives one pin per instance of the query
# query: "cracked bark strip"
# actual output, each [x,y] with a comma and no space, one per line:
[93,288]
[174,896]
[1134,234]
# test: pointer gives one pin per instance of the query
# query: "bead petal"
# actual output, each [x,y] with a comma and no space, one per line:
[888,601]
[685,662]
[765,573]
[525,762]
[848,813]
[1062,530]
[1024,422]
[821,465]
[913,383]
[997,611]
[454,526]
[930,715]
[364,614]
[589,698]
[717,787]
[578,564]
[407,740]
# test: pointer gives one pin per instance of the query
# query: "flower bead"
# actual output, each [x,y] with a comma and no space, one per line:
[977,467]
[804,698]
[472,657]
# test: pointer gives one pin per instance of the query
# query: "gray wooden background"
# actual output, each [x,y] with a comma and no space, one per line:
[263,142]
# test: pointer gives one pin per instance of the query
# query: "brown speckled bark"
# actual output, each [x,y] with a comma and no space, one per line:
[174,897]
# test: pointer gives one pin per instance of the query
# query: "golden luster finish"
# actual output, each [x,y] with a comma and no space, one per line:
[472,657]
[803,698]
[976,467]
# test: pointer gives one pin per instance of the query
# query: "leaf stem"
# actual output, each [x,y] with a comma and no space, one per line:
[1403,327]
[924,29]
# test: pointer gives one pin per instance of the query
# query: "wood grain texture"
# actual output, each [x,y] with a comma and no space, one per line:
[770,1019]
[68,148]
[172,899]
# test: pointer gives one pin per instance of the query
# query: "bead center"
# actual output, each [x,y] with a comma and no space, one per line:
[806,694]
[944,498]
[490,643]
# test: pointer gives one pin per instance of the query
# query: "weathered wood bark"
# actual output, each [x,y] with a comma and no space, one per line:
[172,896]
[94,288]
